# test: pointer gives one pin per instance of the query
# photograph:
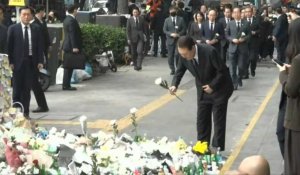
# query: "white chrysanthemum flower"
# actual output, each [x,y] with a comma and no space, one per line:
[133,110]
[243,34]
[83,118]
[113,122]
[158,81]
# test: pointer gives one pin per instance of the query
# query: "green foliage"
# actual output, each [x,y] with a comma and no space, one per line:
[97,37]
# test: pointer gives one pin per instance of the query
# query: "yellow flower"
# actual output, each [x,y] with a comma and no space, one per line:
[200,147]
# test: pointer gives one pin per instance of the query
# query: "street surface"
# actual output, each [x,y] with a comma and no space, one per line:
[251,118]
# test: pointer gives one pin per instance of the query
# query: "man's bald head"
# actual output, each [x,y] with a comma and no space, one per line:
[255,165]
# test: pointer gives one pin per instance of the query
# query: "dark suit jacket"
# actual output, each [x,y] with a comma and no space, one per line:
[72,33]
[211,70]
[170,28]
[16,48]
[44,30]
[291,86]
[195,32]
[280,30]
[232,33]
[3,38]
[209,35]
[157,21]
[134,33]
[254,39]
[222,21]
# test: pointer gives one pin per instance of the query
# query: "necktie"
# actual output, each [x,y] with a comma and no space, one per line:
[195,62]
[136,22]
[174,21]
[227,21]
[212,27]
[249,20]
[26,43]
[238,26]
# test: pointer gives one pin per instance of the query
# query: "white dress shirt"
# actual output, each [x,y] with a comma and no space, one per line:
[29,37]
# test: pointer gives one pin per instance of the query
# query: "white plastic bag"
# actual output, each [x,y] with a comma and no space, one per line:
[59,75]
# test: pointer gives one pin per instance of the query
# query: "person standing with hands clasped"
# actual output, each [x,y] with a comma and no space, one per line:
[25,53]
[289,78]
[214,87]
[72,43]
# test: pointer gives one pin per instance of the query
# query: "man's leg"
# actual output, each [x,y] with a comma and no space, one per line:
[140,57]
[155,44]
[204,122]
[39,94]
[134,54]
[232,59]
[163,45]
[171,53]
[219,115]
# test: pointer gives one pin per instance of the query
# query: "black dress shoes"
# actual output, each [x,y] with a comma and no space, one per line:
[240,82]
[253,73]
[69,88]
[164,55]
[40,109]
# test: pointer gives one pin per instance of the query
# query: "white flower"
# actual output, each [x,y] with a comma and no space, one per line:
[113,122]
[217,34]
[82,118]
[133,110]
[176,27]
[19,148]
[243,34]
[158,81]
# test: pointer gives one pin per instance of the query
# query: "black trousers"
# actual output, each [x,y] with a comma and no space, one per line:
[281,47]
[39,93]
[172,56]
[204,123]
[292,152]
[280,130]
[67,78]
[224,52]
[237,62]
[163,46]
[252,59]
[22,83]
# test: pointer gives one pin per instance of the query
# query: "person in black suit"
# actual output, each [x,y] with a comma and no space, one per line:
[214,87]
[3,38]
[36,86]
[25,54]
[237,33]
[158,32]
[72,42]
[174,27]
[213,32]
[136,38]
[280,34]
[195,30]
[254,42]
[224,21]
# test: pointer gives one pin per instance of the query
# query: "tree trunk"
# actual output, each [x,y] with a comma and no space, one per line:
[122,7]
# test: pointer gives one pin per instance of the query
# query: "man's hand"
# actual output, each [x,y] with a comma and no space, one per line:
[172,90]
[40,66]
[75,50]
[274,38]
[198,41]
[207,89]
[174,35]
[285,67]
[253,32]
[12,66]
[235,41]
[241,40]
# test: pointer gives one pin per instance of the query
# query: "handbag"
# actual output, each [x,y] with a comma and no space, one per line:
[74,61]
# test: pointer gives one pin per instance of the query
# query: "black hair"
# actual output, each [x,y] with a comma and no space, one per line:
[200,13]
[71,8]
[293,47]
[186,42]
[39,8]
[279,10]
[26,8]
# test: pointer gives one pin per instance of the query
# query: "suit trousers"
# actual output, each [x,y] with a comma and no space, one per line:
[292,152]
[237,61]
[281,47]
[137,52]
[280,130]
[163,49]
[67,77]
[252,59]
[22,83]
[173,56]
[204,122]
[39,93]
[224,53]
